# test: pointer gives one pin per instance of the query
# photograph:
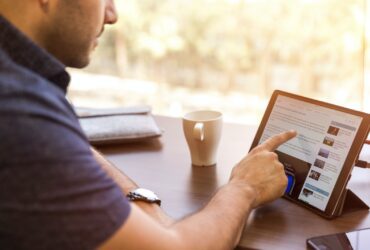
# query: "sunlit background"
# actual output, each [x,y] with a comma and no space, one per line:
[228,55]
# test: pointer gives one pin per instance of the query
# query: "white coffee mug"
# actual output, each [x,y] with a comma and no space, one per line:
[202,131]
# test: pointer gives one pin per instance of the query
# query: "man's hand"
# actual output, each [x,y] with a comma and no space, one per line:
[262,171]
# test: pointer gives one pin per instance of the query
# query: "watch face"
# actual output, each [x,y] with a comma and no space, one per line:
[146,193]
[142,194]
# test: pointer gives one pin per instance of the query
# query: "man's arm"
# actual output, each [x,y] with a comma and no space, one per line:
[217,226]
[256,179]
[127,185]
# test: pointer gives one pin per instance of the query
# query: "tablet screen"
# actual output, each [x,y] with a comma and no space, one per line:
[314,159]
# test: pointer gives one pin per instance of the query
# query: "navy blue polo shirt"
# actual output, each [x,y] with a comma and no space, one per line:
[53,194]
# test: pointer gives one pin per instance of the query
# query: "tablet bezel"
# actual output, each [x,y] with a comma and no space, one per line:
[360,137]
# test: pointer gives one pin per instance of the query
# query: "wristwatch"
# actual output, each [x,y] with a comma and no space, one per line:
[142,194]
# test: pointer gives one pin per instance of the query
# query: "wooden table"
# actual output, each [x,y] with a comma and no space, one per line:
[163,165]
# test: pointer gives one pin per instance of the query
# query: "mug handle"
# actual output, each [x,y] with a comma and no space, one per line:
[198,131]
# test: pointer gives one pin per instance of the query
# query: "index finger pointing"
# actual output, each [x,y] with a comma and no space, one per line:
[274,142]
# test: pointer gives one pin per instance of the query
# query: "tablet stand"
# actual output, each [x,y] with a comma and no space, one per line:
[349,202]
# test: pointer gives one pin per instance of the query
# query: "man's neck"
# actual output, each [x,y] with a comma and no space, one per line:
[25,17]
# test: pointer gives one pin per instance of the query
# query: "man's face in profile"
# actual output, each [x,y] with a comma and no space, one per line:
[74,27]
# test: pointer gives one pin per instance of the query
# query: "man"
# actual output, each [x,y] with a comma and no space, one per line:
[58,193]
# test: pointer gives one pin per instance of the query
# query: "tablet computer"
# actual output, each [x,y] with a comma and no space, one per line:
[319,160]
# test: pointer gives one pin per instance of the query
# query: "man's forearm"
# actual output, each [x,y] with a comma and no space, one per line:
[217,226]
[127,185]
[222,219]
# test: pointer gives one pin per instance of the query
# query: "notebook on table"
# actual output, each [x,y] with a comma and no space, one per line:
[118,125]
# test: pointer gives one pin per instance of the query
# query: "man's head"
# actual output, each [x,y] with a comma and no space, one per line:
[68,29]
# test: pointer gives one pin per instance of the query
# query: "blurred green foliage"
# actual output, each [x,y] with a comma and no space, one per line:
[306,46]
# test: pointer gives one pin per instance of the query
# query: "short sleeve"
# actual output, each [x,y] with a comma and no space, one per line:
[53,194]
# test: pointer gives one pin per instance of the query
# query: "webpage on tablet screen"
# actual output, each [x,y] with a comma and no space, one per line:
[316,156]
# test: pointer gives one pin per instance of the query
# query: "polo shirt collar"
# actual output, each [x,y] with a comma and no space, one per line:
[26,53]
